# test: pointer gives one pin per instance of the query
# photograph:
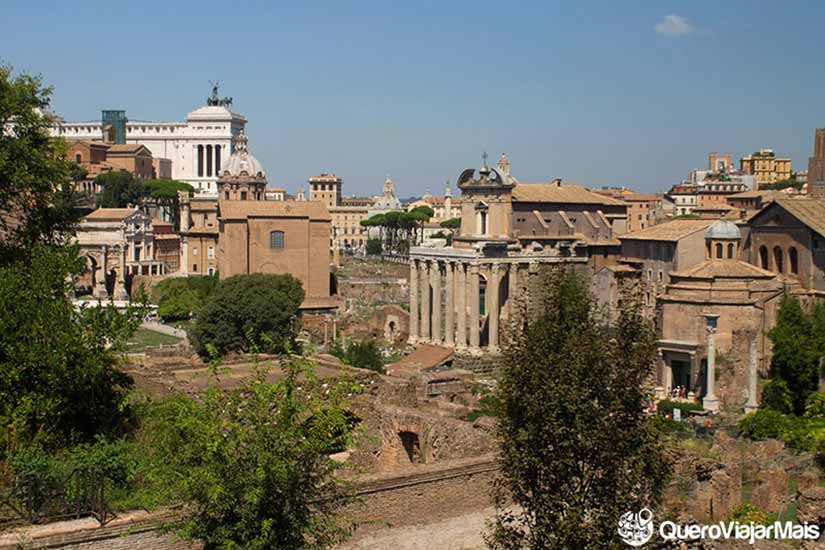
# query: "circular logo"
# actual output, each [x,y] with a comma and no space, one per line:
[636,529]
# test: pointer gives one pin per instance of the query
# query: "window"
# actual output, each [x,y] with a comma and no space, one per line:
[778,260]
[793,259]
[730,251]
[719,250]
[226,195]
[276,239]
[78,158]
[482,223]
[210,253]
[243,195]
[210,271]
[661,276]
[194,267]
[763,257]
[195,251]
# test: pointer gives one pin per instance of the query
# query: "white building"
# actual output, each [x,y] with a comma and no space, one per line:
[196,147]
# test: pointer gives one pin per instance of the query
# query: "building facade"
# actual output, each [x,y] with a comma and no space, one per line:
[766,166]
[816,166]
[196,147]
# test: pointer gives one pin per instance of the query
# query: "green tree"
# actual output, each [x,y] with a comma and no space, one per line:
[181,298]
[452,223]
[576,449]
[36,196]
[60,384]
[796,357]
[777,397]
[164,194]
[257,309]
[374,247]
[253,462]
[119,189]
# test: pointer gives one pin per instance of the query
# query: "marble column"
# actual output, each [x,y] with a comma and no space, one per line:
[425,302]
[436,323]
[461,306]
[413,302]
[120,283]
[473,288]
[711,402]
[492,315]
[449,314]
[100,276]
[753,375]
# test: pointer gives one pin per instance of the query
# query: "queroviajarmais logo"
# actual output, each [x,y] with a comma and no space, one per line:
[636,529]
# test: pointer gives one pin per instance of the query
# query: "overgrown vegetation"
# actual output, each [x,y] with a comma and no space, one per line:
[364,354]
[576,449]
[180,298]
[249,310]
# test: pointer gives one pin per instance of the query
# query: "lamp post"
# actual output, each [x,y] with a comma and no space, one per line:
[710,401]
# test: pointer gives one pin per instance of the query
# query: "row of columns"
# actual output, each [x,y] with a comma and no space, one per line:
[461,310]
[208,156]
[99,290]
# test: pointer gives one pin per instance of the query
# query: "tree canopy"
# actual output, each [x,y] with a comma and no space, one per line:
[576,450]
[246,310]
[400,230]
[36,196]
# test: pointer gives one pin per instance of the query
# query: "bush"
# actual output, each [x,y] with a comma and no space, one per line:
[362,355]
[180,298]
[667,426]
[776,396]
[804,433]
[764,424]
[666,406]
[748,513]
[249,310]
[374,247]
[815,405]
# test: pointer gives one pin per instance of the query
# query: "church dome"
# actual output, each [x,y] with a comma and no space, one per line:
[723,229]
[242,162]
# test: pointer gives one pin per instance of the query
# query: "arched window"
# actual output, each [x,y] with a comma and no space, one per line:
[778,260]
[730,251]
[763,257]
[793,259]
[719,250]
[276,239]
[78,158]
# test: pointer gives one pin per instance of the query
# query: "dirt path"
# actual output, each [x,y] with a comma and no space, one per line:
[459,533]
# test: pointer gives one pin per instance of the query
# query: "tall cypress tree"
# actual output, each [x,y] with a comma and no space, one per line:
[576,449]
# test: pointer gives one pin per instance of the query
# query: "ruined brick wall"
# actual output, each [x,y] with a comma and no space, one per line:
[374,290]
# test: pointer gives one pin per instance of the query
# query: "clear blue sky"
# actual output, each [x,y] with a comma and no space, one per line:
[587,91]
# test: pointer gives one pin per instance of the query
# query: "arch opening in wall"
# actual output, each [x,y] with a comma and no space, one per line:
[730,251]
[763,257]
[793,260]
[778,260]
[412,447]
[719,251]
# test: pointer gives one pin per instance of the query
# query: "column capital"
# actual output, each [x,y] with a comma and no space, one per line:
[496,268]
[474,269]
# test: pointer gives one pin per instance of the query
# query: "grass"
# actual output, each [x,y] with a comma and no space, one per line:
[144,338]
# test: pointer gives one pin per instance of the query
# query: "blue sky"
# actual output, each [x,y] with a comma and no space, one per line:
[587,91]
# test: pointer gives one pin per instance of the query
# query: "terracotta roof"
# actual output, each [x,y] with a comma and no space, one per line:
[569,193]
[125,148]
[620,268]
[764,193]
[640,197]
[724,269]
[110,214]
[241,210]
[668,231]
[811,212]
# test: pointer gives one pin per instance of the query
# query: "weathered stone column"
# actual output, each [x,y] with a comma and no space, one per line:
[449,314]
[413,301]
[100,276]
[461,291]
[474,310]
[711,402]
[120,283]
[425,302]
[436,323]
[753,375]
[492,315]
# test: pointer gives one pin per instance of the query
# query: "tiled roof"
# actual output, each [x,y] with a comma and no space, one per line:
[241,210]
[764,193]
[568,193]
[668,231]
[110,214]
[811,212]
[724,269]
[641,197]
[125,148]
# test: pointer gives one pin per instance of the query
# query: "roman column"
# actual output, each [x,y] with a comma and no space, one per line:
[711,402]
[120,283]
[436,324]
[753,375]
[413,301]
[425,301]
[474,312]
[449,317]
[492,316]
[461,290]
[100,276]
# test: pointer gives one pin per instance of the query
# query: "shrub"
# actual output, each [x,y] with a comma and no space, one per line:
[665,425]
[180,298]
[249,310]
[749,513]
[362,355]
[764,424]
[804,433]
[776,396]
[815,405]
[374,247]
[666,406]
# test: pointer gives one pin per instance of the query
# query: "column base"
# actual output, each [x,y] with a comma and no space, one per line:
[751,408]
[710,403]
[100,292]
[412,340]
